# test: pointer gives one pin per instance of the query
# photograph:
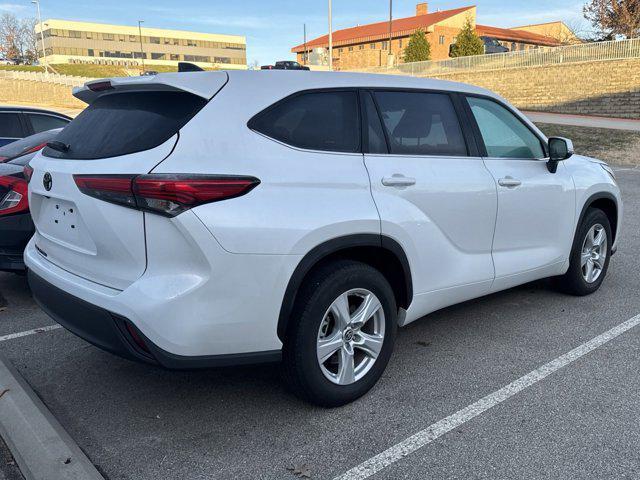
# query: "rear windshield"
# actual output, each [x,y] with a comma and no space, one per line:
[124,123]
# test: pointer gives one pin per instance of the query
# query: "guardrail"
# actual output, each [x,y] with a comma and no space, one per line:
[55,78]
[539,57]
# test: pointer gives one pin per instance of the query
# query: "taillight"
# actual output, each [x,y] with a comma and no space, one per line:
[100,86]
[27,171]
[165,194]
[16,199]
[37,148]
[3,159]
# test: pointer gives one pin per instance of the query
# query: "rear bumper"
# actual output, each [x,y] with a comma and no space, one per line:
[195,305]
[110,332]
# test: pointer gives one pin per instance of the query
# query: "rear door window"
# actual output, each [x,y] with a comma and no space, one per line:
[124,123]
[42,123]
[10,126]
[421,123]
[327,121]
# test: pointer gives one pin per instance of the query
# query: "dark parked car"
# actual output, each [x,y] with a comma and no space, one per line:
[492,45]
[16,227]
[285,65]
[19,122]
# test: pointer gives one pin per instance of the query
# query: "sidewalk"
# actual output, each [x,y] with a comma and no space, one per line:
[585,121]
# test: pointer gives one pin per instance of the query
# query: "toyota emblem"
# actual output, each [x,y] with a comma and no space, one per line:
[47,181]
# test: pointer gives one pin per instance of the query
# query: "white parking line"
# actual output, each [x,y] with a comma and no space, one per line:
[435,431]
[11,336]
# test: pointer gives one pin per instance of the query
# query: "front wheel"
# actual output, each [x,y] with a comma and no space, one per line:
[341,334]
[590,255]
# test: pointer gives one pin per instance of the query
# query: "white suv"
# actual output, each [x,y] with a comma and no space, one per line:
[201,219]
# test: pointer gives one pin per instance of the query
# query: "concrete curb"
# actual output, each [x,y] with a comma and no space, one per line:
[41,447]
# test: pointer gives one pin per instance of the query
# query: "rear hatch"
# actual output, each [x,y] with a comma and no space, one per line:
[129,127]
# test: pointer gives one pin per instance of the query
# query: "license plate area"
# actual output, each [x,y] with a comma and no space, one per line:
[60,222]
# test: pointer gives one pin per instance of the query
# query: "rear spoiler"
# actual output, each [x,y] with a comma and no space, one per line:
[202,84]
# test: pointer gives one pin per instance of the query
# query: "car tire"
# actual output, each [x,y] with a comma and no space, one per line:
[320,323]
[587,266]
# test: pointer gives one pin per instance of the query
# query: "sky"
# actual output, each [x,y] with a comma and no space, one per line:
[273,27]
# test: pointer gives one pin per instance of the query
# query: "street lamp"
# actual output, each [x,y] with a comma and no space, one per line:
[140,22]
[44,53]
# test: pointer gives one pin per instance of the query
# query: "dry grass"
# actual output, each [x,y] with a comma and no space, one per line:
[618,147]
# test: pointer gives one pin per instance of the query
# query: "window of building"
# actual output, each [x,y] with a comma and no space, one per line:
[155,40]
[504,135]
[340,50]
[441,40]
[420,123]
[400,43]
[325,121]
[108,36]
[75,34]
[351,49]
[158,56]
[360,47]
[385,45]
[191,43]
[373,46]
[174,57]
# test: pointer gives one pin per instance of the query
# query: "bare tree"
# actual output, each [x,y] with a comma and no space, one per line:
[614,18]
[29,39]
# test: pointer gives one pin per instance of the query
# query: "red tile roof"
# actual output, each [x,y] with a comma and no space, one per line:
[516,35]
[380,31]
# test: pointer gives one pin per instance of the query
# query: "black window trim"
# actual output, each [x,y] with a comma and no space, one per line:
[519,116]
[466,129]
[359,147]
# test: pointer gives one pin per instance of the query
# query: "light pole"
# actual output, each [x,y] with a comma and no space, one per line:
[330,39]
[44,53]
[140,22]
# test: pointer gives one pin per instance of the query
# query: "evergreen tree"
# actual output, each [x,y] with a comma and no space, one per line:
[468,43]
[418,49]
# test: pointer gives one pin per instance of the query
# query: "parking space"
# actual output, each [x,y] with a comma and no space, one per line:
[136,421]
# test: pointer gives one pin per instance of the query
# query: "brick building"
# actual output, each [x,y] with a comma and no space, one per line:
[368,45]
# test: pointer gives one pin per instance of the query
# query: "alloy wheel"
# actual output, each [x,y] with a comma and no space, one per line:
[594,253]
[351,336]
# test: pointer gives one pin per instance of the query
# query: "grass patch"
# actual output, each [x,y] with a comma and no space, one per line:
[619,147]
[89,70]
[22,68]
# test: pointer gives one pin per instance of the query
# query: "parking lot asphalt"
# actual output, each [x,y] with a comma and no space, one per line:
[583,421]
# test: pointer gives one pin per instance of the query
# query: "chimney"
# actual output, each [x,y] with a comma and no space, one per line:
[422,9]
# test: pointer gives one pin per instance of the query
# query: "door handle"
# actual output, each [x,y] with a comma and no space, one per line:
[398,180]
[509,182]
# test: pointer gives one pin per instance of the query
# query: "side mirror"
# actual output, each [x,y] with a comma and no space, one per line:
[559,149]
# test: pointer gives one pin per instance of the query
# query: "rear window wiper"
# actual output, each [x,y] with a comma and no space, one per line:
[59,146]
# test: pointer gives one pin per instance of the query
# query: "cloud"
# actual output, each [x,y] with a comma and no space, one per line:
[571,13]
[12,7]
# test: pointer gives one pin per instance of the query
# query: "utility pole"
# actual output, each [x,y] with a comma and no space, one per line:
[140,22]
[44,53]
[390,24]
[304,55]
[330,39]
